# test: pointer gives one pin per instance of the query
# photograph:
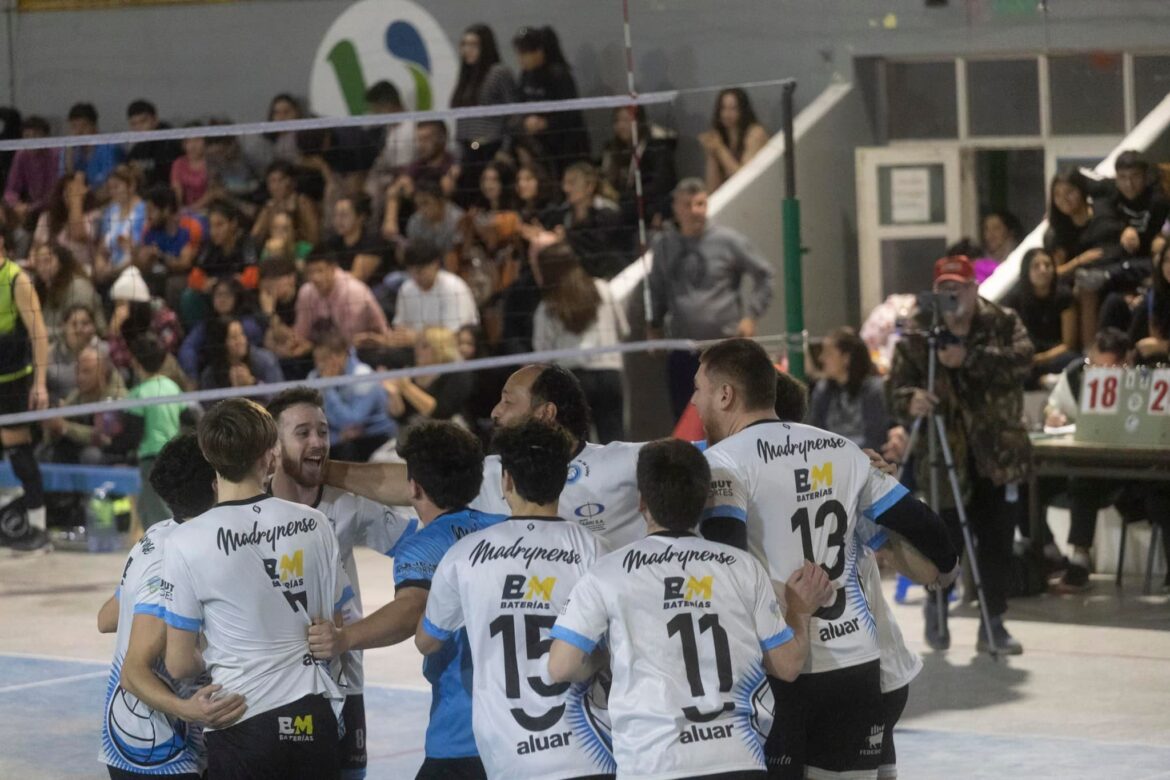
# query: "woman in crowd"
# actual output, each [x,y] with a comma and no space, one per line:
[228,301]
[655,158]
[357,249]
[435,396]
[280,181]
[557,139]
[61,284]
[284,238]
[536,193]
[1048,312]
[1150,331]
[735,137]
[489,256]
[579,312]
[263,150]
[78,331]
[233,361]
[190,177]
[850,398]
[483,81]
[591,224]
[71,219]
[1001,234]
[120,227]
[1076,237]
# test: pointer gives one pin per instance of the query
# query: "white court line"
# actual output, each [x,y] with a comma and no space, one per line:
[54,681]
[43,657]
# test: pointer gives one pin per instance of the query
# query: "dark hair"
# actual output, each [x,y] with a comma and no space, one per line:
[384,92]
[546,190]
[561,388]
[148,352]
[361,204]
[1114,341]
[162,197]
[1131,160]
[860,363]
[506,173]
[429,186]
[471,76]
[127,174]
[284,97]
[73,308]
[791,398]
[139,318]
[321,254]
[1010,221]
[58,209]
[1159,301]
[569,293]
[294,396]
[542,39]
[1022,292]
[445,460]
[537,456]
[437,124]
[234,434]
[420,252]
[139,107]
[226,209]
[83,111]
[281,166]
[747,118]
[215,353]
[183,478]
[674,481]
[477,335]
[277,265]
[1064,230]
[323,333]
[744,364]
[964,247]
[35,122]
[56,291]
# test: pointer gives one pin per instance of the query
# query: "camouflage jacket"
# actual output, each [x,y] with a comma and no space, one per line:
[981,401]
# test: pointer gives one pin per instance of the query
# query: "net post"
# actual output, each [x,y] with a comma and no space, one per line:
[790,213]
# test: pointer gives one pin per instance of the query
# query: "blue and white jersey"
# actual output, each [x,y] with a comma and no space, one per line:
[136,738]
[808,494]
[449,732]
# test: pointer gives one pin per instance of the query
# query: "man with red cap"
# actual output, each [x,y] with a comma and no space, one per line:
[984,355]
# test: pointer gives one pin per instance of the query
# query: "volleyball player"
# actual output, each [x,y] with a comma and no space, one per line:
[506,585]
[790,493]
[691,626]
[303,435]
[149,723]
[251,574]
[445,464]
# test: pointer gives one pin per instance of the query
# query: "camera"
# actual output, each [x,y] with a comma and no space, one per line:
[938,303]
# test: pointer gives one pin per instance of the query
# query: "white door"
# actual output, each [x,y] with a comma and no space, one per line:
[910,207]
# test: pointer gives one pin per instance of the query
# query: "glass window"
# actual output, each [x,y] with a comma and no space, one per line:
[921,100]
[1151,82]
[1003,97]
[1088,96]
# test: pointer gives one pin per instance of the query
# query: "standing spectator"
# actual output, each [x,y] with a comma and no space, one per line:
[227,302]
[850,400]
[332,294]
[78,331]
[735,137]
[232,361]
[352,245]
[61,284]
[96,162]
[558,138]
[137,313]
[357,413]
[483,81]
[654,158]
[152,160]
[591,223]
[151,427]
[70,219]
[92,440]
[229,253]
[190,176]
[430,297]
[436,219]
[579,312]
[280,182]
[695,282]
[1150,331]
[434,396]
[1047,311]
[395,142]
[170,244]
[33,174]
[121,225]
[982,365]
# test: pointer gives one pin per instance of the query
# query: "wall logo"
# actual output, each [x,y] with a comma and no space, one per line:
[376,40]
[815,482]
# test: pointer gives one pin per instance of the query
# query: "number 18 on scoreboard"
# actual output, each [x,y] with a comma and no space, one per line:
[1125,406]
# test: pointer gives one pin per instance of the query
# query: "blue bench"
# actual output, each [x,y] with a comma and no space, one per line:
[68,478]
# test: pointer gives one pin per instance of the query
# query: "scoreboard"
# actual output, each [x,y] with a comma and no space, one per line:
[1127,407]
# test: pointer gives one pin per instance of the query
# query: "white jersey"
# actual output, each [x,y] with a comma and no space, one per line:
[900,664]
[687,621]
[600,494]
[136,738]
[252,575]
[355,521]
[808,494]
[506,585]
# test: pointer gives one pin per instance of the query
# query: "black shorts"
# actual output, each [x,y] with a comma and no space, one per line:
[831,721]
[353,741]
[298,740]
[893,703]
[14,397]
[470,768]
[122,774]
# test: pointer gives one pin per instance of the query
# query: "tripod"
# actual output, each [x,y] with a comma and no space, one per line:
[936,440]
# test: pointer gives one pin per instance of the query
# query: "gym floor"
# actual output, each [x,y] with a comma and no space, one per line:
[1089,698]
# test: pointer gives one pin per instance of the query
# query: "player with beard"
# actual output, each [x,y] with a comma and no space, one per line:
[303,436]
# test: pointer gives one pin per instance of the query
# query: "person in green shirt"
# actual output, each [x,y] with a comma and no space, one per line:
[151,426]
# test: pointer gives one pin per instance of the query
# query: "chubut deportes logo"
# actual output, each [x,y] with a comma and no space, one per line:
[382,40]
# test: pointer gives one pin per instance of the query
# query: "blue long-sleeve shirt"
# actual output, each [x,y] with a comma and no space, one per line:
[362,403]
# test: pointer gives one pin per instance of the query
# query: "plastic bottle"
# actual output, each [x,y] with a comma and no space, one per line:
[101,528]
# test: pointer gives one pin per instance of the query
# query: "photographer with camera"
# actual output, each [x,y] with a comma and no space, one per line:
[983,359]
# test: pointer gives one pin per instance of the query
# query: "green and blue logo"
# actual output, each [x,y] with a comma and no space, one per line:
[375,40]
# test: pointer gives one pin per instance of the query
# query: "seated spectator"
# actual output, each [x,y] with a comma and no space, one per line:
[536,193]
[559,138]
[78,331]
[97,162]
[229,252]
[89,439]
[137,313]
[61,284]
[120,227]
[284,239]
[432,162]
[330,293]
[33,175]
[280,181]
[1001,232]
[591,223]
[435,219]
[578,312]
[278,308]
[263,149]
[354,247]
[358,421]
[850,399]
[655,160]
[490,255]
[735,137]
[170,244]
[1134,197]
[434,396]
[148,428]
[1047,311]
[232,361]
[1077,234]
[152,160]
[488,382]
[395,142]
[232,176]
[70,219]
[1150,331]
[190,175]
[227,302]
[430,297]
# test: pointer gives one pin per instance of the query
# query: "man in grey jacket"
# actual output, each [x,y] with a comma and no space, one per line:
[695,285]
